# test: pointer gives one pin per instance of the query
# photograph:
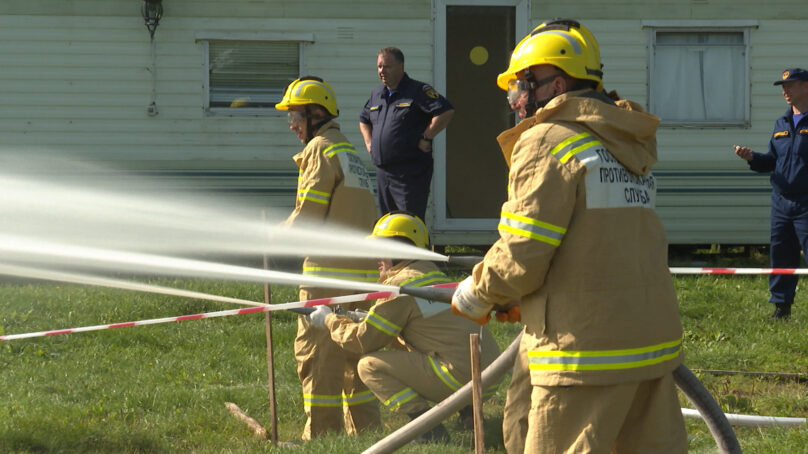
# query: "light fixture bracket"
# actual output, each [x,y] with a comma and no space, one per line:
[152,12]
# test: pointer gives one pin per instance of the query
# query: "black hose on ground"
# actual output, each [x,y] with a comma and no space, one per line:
[796,376]
[715,418]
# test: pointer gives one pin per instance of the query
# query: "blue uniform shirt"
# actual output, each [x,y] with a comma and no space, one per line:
[397,121]
[787,157]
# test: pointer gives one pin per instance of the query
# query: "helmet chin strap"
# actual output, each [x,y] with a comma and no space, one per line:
[534,104]
[540,103]
[310,127]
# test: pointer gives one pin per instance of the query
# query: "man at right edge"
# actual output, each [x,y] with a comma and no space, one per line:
[786,159]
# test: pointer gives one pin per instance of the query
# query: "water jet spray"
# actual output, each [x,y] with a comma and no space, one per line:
[99,216]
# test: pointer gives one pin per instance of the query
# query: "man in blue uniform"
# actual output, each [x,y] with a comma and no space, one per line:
[787,159]
[398,124]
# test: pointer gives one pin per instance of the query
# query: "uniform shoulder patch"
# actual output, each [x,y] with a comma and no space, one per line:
[780,134]
[431,92]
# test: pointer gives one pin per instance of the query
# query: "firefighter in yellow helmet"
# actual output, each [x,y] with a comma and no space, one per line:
[584,253]
[333,190]
[434,361]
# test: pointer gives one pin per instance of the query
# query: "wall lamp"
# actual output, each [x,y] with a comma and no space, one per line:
[152,11]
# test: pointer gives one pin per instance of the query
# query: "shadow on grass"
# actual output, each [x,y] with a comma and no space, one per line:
[70,441]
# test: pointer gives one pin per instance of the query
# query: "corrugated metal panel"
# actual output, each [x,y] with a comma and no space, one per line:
[713,204]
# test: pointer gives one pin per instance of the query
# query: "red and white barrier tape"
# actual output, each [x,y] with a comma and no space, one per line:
[182,318]
[251,310]
[684,270]
[446,285]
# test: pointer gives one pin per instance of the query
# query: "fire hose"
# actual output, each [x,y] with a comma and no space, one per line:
[688,383]
[355,315]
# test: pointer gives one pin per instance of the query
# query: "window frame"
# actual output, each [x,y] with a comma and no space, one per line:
[744,27]
[204,39]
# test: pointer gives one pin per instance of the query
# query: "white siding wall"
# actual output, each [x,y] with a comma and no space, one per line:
[76,83]
[708,195]
[705,193]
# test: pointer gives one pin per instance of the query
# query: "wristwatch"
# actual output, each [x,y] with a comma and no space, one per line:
[424,137]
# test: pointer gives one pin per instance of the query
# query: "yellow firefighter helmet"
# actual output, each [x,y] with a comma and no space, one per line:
[403,225]
[563,43]
[309,90]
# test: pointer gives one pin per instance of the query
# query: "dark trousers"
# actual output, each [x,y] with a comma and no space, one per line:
[404,188]
[789,235]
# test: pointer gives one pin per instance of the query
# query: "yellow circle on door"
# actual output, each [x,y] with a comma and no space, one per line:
[478,55]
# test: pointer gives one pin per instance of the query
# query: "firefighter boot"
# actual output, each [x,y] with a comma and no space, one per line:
[466,417]
[782,311]
[437,434]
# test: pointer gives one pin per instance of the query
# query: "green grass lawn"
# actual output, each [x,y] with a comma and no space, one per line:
[162,388]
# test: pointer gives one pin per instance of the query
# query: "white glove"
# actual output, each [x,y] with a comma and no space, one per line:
[466,303]
[318,316]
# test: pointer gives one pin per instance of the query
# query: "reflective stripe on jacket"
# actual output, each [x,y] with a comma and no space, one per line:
[333,188]
[787,157]
[442,336]
[581,246]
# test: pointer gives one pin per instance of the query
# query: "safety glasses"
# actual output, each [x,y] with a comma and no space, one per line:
[516,88]
[521,87]
[295,118]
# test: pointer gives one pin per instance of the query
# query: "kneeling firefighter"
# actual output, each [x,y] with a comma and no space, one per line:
[333,190]
[434,361]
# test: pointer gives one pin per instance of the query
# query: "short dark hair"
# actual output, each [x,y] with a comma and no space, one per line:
[318,79]
[394,51]
[579,84]
[319,112]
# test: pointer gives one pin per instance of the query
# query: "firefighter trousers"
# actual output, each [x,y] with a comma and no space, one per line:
[403,380]
[637,417]
[333,394]
[517,406]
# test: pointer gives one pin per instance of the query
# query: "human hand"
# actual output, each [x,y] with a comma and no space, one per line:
[424,144]
[743,152]
[466,304]
[510,315]
[318,316]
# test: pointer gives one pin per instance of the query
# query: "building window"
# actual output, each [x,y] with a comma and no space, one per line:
[248,76]
[699,77]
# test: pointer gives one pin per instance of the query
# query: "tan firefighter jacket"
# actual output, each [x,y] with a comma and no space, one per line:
[420,325]
[333,189]
[581,245]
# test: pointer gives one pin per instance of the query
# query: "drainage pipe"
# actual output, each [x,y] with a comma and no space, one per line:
[752,420]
